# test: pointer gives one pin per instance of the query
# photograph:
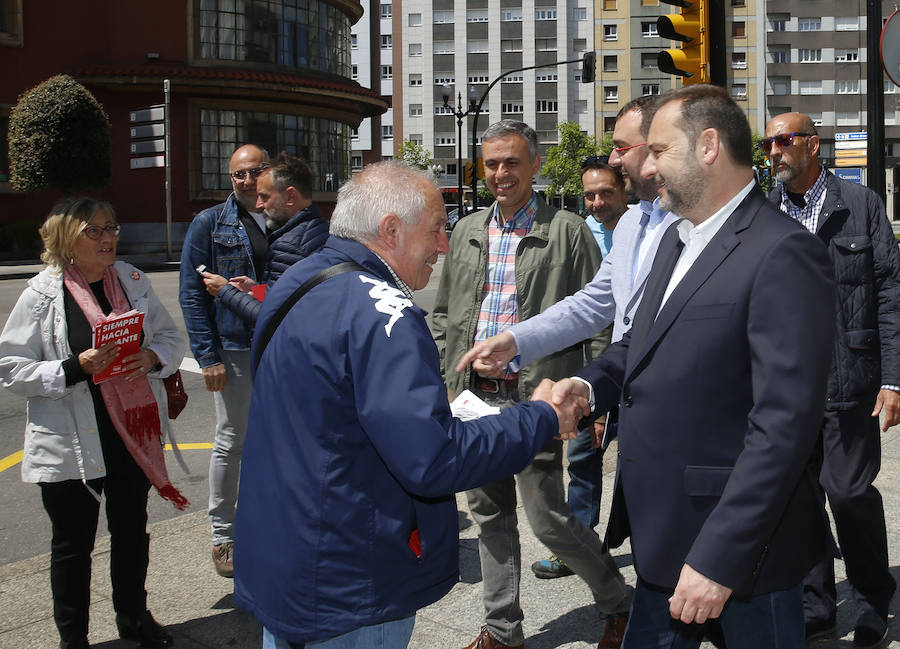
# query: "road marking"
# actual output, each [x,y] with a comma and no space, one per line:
[12,460]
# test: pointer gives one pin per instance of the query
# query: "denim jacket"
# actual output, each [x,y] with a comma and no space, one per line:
[217,239]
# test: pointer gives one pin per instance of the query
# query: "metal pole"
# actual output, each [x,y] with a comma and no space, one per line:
[875,101]
[168,153]
[459,145]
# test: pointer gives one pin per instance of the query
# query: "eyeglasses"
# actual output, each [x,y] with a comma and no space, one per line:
[241,174]
[95,231]
[782,140]
[594,160]
[622,149]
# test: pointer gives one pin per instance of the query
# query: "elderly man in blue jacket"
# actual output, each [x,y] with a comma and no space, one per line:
[348,521]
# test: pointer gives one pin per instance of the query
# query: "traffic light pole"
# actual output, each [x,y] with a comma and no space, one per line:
[875,101]
[460,116]
[478,112]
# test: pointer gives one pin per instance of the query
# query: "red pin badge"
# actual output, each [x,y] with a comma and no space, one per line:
[135,275]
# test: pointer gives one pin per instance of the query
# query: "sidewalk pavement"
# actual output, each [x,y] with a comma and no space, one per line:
[31,267]
[196,605]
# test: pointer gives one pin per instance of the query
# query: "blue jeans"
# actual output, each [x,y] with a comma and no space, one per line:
[232,412]
[773,620]
[585,478]
[387,635]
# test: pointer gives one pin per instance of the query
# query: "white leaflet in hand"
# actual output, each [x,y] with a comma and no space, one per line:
[468,406]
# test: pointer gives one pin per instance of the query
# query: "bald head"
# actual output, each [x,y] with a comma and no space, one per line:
[248,160]
[795,155]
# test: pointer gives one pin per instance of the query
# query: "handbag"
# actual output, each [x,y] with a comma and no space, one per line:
[175,393]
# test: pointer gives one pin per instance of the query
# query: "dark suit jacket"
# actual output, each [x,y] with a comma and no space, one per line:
[721,405]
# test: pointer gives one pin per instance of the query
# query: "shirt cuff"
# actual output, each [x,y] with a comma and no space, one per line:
[590,391]
[895,388]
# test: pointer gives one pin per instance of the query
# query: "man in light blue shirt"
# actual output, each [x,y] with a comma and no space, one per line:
[604,199]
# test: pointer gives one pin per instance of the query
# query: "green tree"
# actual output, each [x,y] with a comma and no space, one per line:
[761,166]
[415,155]
[563,164]
[59,139]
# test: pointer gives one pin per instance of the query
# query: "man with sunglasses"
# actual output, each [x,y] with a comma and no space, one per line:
[865,375]
[228,239]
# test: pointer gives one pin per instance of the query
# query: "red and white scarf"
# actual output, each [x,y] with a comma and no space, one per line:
[130,403]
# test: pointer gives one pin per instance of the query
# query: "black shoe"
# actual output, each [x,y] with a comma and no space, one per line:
[820,628]
[143,629]
[866,636]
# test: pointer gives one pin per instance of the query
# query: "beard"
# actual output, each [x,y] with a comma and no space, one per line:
[275,221]
[787,174]
[683,190]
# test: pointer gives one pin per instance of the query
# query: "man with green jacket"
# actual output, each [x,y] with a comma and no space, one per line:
[508,263]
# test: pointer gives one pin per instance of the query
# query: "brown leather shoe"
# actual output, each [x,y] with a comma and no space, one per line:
[614,632]
[486,641]
[222,559]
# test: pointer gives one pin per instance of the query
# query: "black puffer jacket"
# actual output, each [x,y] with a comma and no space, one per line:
[866,259]
[305,233]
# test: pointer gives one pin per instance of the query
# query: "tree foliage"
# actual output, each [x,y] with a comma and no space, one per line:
[563,164]
[761,166]
[415,155]
[59,139]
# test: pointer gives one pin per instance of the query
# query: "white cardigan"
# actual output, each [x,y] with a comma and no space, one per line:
[61,438]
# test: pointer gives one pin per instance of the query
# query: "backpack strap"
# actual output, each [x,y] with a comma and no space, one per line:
[269,330]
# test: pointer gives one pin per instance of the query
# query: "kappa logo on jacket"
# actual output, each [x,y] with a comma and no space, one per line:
[388,300]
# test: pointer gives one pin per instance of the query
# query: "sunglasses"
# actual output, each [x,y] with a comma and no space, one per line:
[241,174]
[594,160]
[95,231]
[622,149]
[783,140]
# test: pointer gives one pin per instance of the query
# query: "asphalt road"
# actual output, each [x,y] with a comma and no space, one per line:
[24,526]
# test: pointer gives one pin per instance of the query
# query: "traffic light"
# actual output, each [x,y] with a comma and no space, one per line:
[589,67]
[479,168]
[699,27]
[468,173]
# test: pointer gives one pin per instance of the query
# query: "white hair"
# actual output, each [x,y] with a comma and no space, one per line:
[389,187]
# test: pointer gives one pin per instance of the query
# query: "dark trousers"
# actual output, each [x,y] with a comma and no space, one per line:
[851,459]
[74,512]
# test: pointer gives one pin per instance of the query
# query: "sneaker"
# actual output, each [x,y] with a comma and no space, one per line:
[222,559]
[551,568]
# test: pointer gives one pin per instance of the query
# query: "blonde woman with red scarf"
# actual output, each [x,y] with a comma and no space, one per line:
[83,440]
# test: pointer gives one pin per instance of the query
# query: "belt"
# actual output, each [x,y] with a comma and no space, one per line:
[493,386]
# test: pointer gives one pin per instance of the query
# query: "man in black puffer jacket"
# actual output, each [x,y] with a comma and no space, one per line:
[296,230]
[865,372]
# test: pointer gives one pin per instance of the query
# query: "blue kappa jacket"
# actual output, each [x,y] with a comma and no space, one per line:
[351,448]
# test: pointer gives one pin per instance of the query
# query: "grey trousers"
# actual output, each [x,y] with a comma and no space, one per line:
[493,507]
[232,411]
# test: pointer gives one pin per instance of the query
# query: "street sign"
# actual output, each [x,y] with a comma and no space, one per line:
[148,163]
[850,137]
[850,162]
[890,47]
[849,144]
[849,153]
[148,130]
[853,174]
[149,146]
[148,138]
[155,113]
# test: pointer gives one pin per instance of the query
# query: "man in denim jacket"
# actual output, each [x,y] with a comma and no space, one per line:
[229,239]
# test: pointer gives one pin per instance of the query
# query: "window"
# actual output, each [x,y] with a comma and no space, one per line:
[545,44]
[610,63]
[514,77]
[545,14]
[416,138]
[648,60]
[648,29]
[809,24]
[323,143]
[387,132]
[512,108]
[610,93]
[610,32]
[579,13]
[356,162]
[354,42]
[476,47]
[387,71]
[546,76]
[580,106]
[442,17]
[889,88]
[440,109]
[738,3]
[354,72]
[778,22]
[846,24]
[548,137]
[511,15]
[810,87]
[354,133]
[649,89]
[415,110]
[451,168]
[444,81]
[846,56]
[847,87]
[415,49]
[479,78]
[816,119]
[415,20]
[579,44]
[739,91]
[387,41]
[415,79]
[809,55]
[476,16]
[781,86]
[386,11]
[739,29]
[609,5]
[738,60]
[779,55]
[848,119]
[444,140]
[511,45]
[547,106]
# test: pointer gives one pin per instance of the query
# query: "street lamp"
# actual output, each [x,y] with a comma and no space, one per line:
[460,115]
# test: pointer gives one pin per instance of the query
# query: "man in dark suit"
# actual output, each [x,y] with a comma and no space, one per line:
[720,382]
